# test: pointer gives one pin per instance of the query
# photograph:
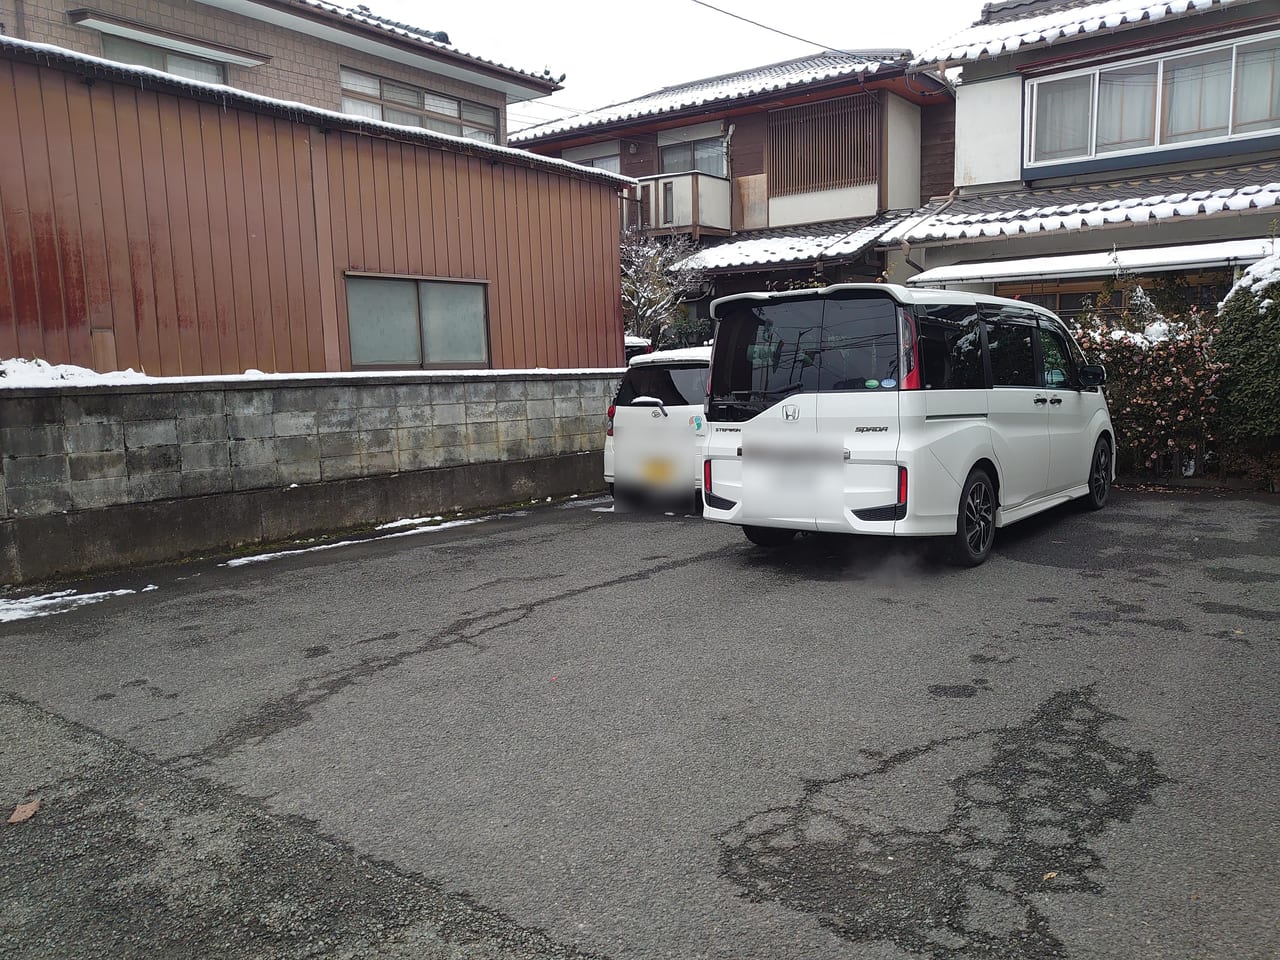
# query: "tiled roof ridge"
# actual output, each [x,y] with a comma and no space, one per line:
[1030,24]
[615,112]
[438,40]
[1004,10]
[856,56]
[439,36]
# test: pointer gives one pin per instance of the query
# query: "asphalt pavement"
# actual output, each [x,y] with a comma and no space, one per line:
[571,732]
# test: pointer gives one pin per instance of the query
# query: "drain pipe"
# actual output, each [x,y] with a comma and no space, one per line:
[905,246]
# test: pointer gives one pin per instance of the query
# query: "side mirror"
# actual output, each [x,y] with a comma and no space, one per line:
[1092,375]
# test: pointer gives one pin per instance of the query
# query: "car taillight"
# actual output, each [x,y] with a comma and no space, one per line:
[902,485]
[910,357]
[706,476]
[608,428]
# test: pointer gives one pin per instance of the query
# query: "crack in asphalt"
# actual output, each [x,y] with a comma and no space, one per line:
[1018,827]
[294,708]
[129,858]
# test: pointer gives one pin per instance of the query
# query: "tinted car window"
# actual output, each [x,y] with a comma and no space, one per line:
[673,385]
[1011,359]
[950,340]
[1055,358]
[859,344]
[765,351]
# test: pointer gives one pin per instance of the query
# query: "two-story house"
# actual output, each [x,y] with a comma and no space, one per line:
[1092,137]
[321,54]
[780,171]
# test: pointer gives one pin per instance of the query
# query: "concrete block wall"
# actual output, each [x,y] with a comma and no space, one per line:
[87,448]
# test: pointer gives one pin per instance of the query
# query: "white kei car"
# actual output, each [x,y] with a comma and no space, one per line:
[656,427]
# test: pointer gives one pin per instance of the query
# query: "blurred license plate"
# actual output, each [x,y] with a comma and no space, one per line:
[658,471]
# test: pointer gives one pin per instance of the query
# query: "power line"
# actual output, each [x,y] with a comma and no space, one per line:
[765,26]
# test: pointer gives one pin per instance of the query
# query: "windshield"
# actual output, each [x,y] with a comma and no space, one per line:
[673,385]
[767,350]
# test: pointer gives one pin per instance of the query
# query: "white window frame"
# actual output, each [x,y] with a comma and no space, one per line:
[1030,100]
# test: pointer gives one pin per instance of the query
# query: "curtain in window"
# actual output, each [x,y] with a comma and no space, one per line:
[1257,88]
[1064,115]
[1127,108]
[708,156]
[361,108]
[1197,97]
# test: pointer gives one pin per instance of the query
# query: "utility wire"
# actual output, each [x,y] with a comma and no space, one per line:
[765,26]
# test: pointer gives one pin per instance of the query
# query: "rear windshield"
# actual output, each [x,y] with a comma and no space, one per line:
[673,385]
[768,350]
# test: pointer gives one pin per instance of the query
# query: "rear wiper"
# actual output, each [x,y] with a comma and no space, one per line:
[650,402]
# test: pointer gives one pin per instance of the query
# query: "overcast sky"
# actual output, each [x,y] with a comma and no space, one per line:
[613,51]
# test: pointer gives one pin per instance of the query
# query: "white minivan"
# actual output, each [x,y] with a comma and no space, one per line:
[657,426]
[877,409]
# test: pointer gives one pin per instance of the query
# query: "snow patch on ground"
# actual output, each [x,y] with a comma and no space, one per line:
[61,601]
[264,557]
[408,522]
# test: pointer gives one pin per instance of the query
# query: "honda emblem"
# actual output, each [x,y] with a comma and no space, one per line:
[791,412]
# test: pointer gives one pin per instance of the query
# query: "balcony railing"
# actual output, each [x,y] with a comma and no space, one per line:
[693,202]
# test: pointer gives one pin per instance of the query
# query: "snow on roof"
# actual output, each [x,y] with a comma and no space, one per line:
[1198,194]
[811,242]
[682,355]
[435,39]
[1003,30]
[44,52]
[829,65]
[1099,263]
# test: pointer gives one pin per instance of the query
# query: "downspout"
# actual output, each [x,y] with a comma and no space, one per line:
[728,170]
[905,246]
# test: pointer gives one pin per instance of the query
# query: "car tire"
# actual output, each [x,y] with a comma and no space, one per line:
[975,521]
[1099,476]
[769,536]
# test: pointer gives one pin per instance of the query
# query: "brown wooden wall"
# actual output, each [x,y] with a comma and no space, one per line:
[147,230]
[937,150]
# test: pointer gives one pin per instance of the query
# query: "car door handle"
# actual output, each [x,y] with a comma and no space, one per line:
[1056,401]
[1039,400]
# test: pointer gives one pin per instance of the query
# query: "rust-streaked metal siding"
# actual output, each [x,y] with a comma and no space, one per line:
[144,229]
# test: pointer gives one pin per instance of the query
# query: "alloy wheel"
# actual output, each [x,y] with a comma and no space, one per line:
[1100,475]
[979,518]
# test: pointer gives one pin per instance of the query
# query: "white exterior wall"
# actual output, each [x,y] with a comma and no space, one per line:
[827,204]
[713,202]
[902,172]
[989,132]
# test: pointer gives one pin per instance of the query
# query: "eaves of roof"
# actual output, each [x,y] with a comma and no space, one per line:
[1029,212]
[1058,23]
[144,77]
[798,246]
[429,43]
[722,93]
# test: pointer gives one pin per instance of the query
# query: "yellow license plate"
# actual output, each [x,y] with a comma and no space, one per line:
[658,471]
